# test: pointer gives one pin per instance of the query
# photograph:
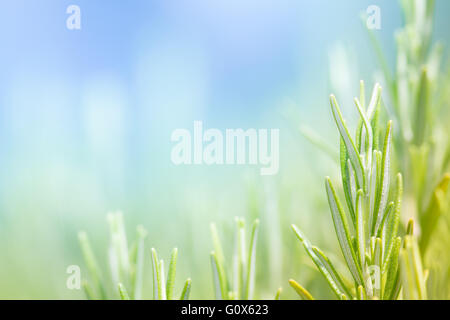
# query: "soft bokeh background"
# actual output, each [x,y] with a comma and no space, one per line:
[86,117]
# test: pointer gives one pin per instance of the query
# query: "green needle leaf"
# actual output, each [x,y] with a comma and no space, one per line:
[186,290]
[378,254]
[346,173]
[360,230]
[414,287]
[410,227]
[302,292]
[349,144]
[162,287]
[342,232]
[278,294]
[219,290]
[362,94]
[318,141]
[240,257]
[383,191]
[361,294]
[318,262]
[156,276]
[392,268]
[171,275]
[368,132]
[332,271]
[90,295]
[123,292]
[251,265]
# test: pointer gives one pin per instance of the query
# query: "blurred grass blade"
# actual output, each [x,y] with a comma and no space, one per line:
[240,263]
[413,276]
[251,265]
[123,244]
[429,219]
[123,292]
[119,257]
[387,213]
[421,109]
[139,272]
[410,227]
[318,141]
[91,263]
[382,60]
[90,295]
[219,290]
[219,262]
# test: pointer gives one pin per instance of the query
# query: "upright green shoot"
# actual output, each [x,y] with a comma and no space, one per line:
[126,264]
[162,289]
[242,282]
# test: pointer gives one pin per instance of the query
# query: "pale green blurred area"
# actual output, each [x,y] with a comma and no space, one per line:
[85,123]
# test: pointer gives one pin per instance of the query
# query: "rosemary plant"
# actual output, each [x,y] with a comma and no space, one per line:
[419,91]
[126,266]
[164,290]
[242,282]
[367,230]
[419,95]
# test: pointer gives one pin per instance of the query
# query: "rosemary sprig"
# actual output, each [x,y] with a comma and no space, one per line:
[367,229]
[241,285]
